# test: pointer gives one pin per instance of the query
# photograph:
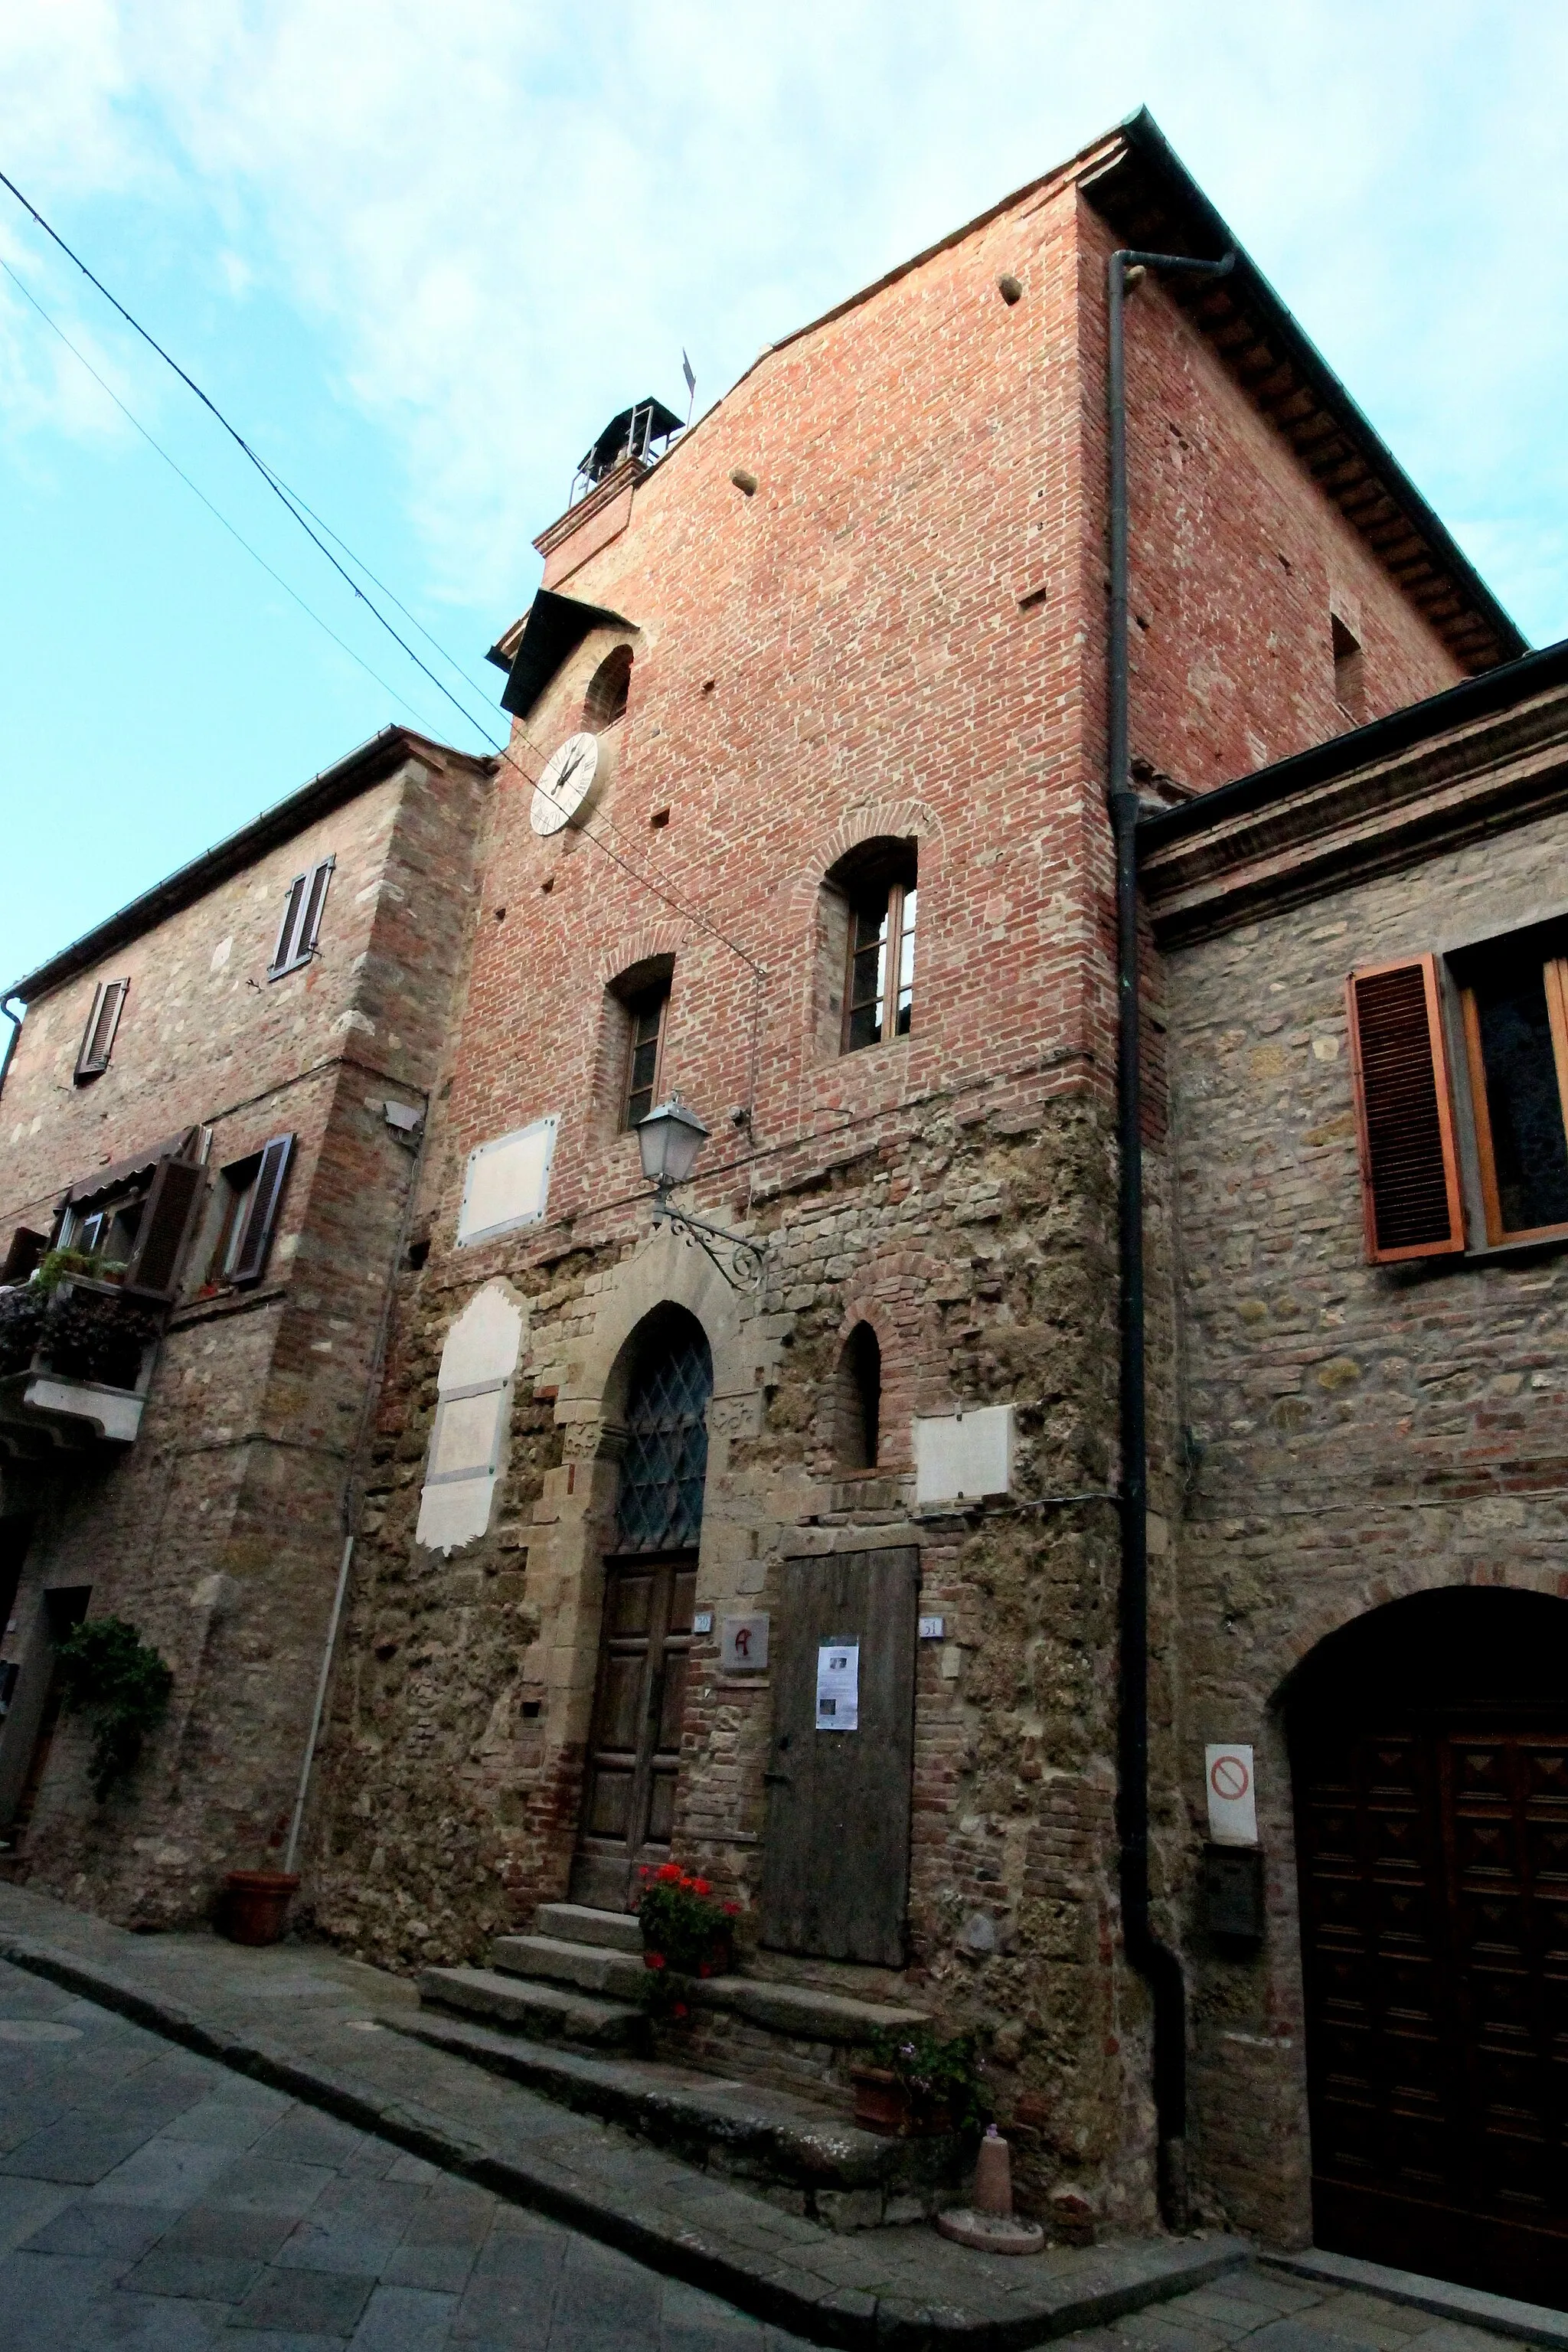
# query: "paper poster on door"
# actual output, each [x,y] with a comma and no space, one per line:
[838,1687]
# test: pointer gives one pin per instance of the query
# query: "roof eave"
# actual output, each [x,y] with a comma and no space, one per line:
[369,764]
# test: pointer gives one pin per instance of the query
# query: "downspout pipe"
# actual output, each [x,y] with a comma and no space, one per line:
[16,1019]
[1154,1960]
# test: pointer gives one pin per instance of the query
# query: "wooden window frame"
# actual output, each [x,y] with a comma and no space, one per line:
[303,905]
[636,1005]
[102,1027]
[1554,975]
[899,893]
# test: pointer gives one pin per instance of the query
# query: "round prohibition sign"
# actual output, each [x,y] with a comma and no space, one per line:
[1229,1778]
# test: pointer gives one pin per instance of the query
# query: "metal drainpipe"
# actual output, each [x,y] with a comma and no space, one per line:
[15,1020]
[1154,1960]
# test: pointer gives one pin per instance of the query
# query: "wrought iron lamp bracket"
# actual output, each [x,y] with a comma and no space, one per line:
[746,1260]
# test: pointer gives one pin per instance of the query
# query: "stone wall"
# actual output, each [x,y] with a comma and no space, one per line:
[220,1531]
[895,636]
[1358,1432]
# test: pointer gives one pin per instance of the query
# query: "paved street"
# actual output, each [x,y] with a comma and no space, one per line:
[151,2198]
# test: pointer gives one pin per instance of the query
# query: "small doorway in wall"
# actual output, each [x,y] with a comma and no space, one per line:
[627,1820]
[1429,1752]
[32,1714]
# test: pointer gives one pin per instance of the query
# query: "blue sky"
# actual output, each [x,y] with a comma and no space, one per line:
[421,255]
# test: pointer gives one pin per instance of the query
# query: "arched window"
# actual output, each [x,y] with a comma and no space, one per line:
[638,1005]
[857,1400]
[869,942]
[605,701]
[665,1460]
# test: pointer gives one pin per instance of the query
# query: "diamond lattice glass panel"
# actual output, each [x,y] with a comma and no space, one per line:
[667,1451]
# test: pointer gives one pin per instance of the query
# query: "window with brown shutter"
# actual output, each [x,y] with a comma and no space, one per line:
[302,924]
[1514,996]
[154,1263]
[97,1037]
[252,1234]
[1409,1165]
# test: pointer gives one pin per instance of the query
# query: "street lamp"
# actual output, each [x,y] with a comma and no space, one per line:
[671,1140]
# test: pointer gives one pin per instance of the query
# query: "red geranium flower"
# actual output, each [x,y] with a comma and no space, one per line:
[700,1887]
[667,1871]
[679,2010]
[653,1960]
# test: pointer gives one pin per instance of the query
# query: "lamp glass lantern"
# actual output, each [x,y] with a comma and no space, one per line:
[671,1140]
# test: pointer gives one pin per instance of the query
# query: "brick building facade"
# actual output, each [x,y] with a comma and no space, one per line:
[837,657]
[803,821]
[219,1093]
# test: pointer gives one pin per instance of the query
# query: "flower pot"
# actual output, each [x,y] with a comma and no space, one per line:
[255,1904]
[881,2101]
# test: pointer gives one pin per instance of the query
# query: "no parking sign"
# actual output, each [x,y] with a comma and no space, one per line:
[1232,1796]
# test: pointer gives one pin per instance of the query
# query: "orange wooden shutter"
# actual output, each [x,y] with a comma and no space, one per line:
[1409,1165]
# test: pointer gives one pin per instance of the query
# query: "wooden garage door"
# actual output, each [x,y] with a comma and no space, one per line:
[1434,1873]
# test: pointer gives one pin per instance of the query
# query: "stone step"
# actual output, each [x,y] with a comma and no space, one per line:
[789,2149]
[799,2012]
[576,1923]
[592,1968]
[545,2012]
[802,2012]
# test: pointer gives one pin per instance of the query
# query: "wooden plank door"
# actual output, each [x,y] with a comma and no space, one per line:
[1434,1875]
[634,1748]
[835,1869]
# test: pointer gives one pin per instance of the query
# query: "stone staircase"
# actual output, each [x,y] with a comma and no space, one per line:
[753,2086]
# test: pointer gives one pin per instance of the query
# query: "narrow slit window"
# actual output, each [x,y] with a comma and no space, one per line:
[1349,671]
[1515,1002]
[859,1401]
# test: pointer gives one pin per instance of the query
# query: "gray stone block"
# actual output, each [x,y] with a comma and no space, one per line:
[311,2303]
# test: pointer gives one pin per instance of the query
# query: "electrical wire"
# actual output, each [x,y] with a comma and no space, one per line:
[304,517]
[216,512]
[262,468]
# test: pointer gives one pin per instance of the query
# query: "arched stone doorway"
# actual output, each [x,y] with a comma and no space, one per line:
[1429,1759]
[651,1584]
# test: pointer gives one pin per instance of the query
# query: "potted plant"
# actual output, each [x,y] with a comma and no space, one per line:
[686,1931]
[117,1680]
[914,2082]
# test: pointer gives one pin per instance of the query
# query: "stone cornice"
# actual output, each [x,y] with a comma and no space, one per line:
[1322,825]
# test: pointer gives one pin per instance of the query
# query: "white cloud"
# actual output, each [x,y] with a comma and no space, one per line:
[503,219]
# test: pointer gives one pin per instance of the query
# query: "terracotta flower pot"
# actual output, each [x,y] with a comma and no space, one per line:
[255,1903]
[881,2101]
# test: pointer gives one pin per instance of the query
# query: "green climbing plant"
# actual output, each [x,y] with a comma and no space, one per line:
[121,1685]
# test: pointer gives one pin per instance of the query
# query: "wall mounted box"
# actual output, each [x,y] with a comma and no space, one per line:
[1233,1892]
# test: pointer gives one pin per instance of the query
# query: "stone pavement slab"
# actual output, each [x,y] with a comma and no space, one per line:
[307,2022]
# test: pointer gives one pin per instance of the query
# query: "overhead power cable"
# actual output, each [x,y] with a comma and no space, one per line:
[280,490]
[216,512]
[305,515]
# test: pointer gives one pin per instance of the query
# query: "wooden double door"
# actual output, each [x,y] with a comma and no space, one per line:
[627,1817]
[1433,1861]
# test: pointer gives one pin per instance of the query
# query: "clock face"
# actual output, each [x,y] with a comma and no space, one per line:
[565,784]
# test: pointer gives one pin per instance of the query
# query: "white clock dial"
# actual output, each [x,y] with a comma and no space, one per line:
[564,785]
